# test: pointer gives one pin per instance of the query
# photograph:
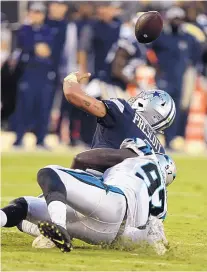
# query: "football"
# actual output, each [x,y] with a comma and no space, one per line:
[148,26]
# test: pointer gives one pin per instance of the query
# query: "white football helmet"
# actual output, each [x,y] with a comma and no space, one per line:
[168,167]
[156,106]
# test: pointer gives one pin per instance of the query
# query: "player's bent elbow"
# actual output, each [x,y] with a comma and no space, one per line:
[69,93]
[79,162]
[69,96]
[71,90]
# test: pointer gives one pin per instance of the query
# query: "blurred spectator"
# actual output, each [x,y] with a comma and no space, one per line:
[197,27]
[84,20]
[56,20]
[68,65]
[122,62]
[72,57]
[100,37]
[36,41]
[175,51]
[96,40]
[7,90]
[5,39]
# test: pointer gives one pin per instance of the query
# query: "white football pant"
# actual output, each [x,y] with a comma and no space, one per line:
[94,215]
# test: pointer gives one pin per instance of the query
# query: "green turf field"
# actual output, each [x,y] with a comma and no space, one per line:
[186,224]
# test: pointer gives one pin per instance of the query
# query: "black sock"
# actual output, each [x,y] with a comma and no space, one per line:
[16,212]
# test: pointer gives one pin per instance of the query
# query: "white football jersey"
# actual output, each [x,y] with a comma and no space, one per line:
[143,184]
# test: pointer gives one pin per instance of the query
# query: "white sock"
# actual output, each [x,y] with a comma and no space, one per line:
[57,211]
[29,228]
[134,234]
[3,218]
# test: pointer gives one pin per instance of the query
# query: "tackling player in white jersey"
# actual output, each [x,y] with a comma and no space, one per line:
[100,209]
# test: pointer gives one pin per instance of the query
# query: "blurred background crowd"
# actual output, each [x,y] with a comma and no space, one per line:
[43,41]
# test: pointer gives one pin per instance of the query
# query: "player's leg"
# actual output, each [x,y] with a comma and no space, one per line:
[151,229]
[91,229]
[63,186]
[14,213]
[25,212]
[55,194]
[88,229]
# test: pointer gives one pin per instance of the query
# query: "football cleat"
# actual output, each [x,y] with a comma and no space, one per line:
[156,235]
[42,242]
[57,234]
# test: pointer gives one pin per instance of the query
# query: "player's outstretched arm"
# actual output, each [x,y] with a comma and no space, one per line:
[101,159]
[76,96]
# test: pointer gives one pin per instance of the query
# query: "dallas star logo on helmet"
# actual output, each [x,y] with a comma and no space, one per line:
[156,94]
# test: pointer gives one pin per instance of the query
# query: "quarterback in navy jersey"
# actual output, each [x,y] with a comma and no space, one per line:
[117,119]
[121,122]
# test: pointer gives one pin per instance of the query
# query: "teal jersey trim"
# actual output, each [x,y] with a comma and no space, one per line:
[93,181]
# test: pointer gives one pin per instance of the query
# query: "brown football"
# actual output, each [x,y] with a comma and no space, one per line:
[148,27]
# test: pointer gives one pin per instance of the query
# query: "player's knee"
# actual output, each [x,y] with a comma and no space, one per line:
[46,177]
[51,185]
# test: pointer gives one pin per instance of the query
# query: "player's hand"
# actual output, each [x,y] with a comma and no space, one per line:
[76,96]
[77,77]
[72,80]
[82,76]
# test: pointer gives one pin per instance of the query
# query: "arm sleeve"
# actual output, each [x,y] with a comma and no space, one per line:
[115,111]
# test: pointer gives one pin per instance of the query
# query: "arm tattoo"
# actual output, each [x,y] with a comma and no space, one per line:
[86,103]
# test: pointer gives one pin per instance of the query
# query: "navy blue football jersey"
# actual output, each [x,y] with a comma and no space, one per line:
[121,122]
